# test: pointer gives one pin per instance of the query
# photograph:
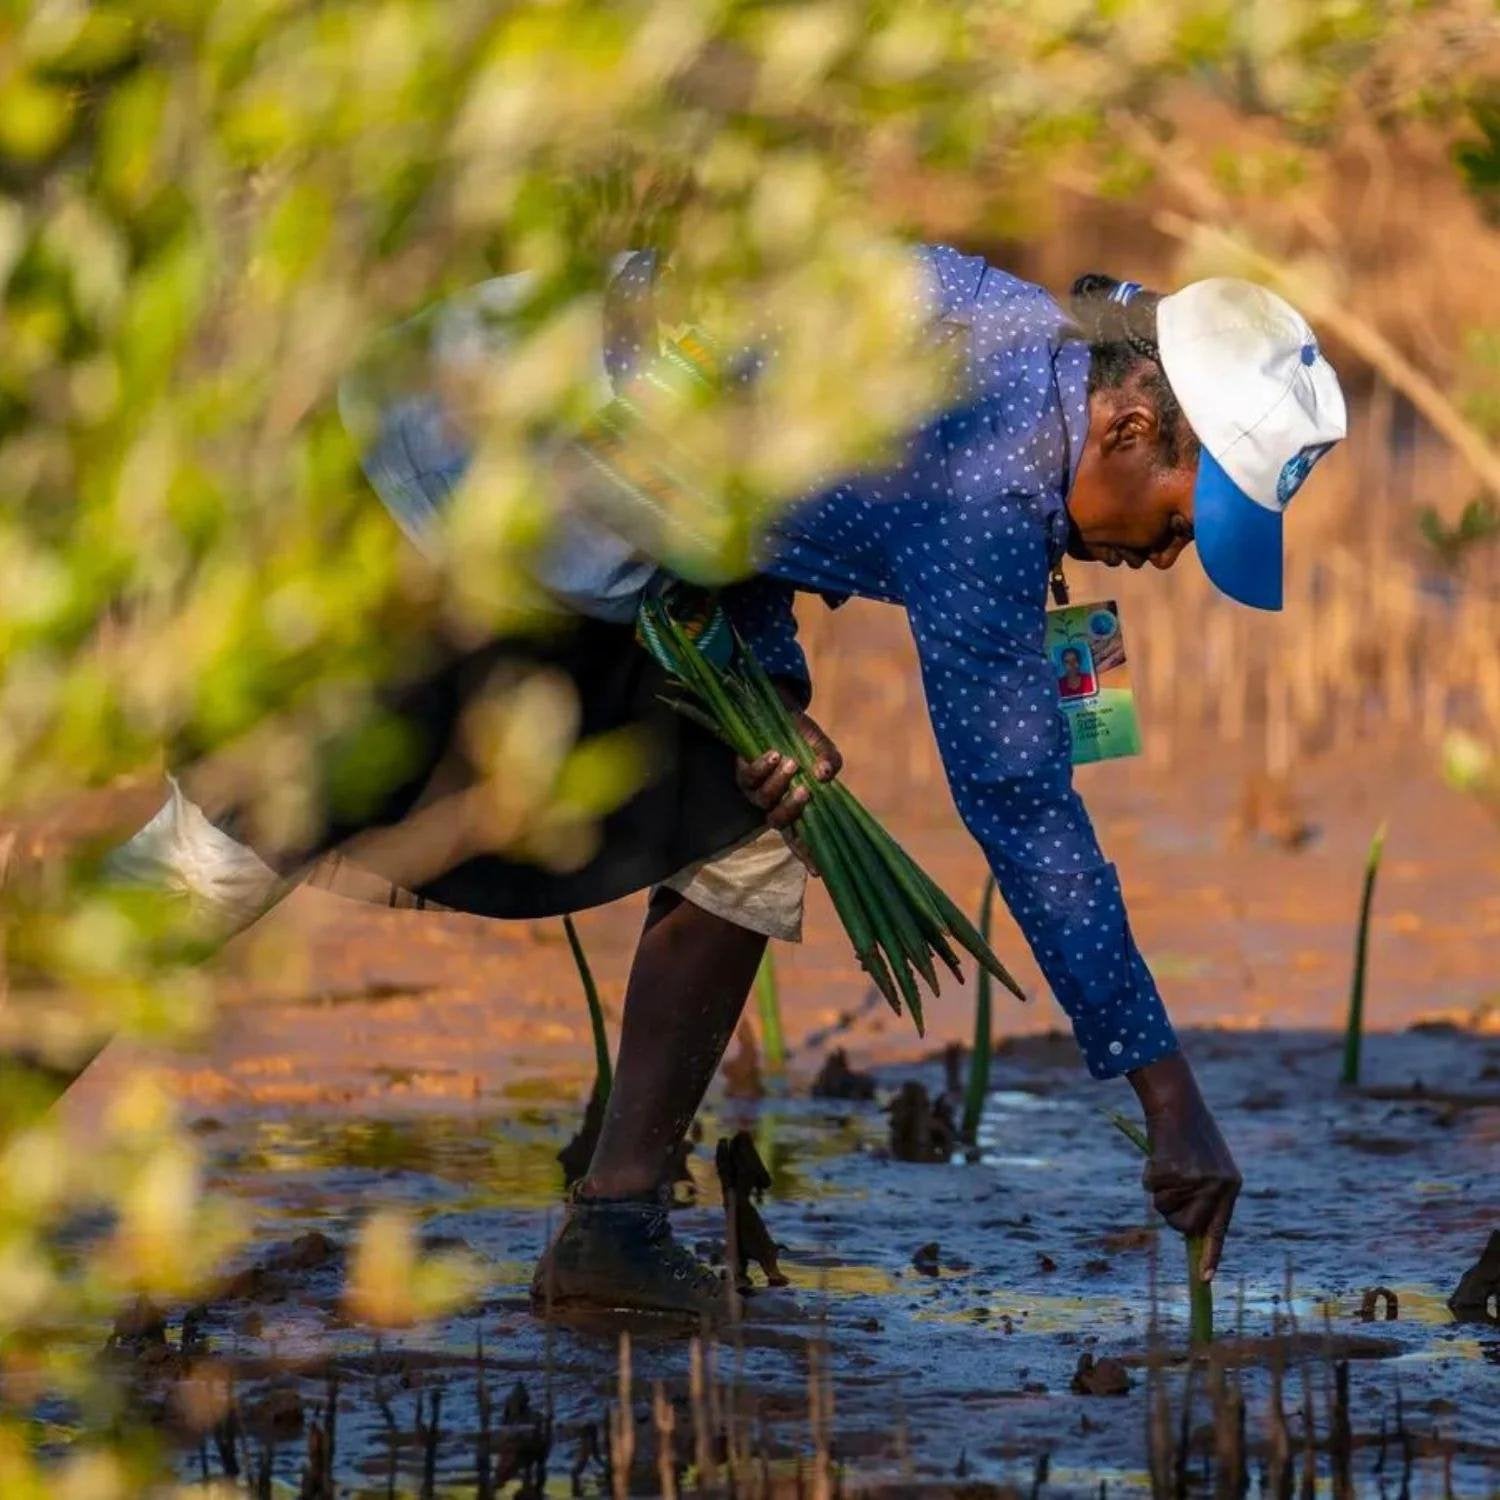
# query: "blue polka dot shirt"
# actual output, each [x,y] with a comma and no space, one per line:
[963,532]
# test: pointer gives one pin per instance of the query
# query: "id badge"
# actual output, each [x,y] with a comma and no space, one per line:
[1085,645]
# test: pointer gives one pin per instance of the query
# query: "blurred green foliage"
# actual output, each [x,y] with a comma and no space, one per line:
[1478,155]
[1479,521]
[208,211]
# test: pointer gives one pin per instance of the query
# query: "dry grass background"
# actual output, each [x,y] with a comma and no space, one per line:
[1381,642]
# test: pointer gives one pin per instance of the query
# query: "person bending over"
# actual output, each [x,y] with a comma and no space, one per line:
[1119,429]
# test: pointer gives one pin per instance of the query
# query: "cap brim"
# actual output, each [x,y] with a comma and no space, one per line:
[1238,540]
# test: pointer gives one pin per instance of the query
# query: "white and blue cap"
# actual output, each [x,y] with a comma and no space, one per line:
[1265,405]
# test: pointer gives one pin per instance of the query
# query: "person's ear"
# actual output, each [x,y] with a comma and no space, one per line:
[1130,427]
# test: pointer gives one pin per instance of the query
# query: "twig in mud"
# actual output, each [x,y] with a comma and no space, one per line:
[392,1438]
[764,1444]
[1184,1436]
[703,1453]
[736,1379]
[1227,1403]
[1406,1444]
[716,1424]
[820,1417]
[622,1427]
[1340,1438]
[1040,1474]
[549,1362]
[330,1427]
[246,1467]
[315,1466]
[226,1435]
[431,1435]
[1279,1470]
[1309,1486]
[483,1448]
[984,1041]
[1354,1029]
[666,1459]
[743,1179]
[1309,1481]
[588,1453]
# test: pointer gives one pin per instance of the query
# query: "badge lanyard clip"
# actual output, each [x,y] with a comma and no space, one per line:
[1059,585]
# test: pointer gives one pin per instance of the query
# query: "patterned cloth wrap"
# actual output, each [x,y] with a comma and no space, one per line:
[650,495]
[611,440]
[702,619]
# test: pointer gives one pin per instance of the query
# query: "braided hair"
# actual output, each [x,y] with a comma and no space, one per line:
[1118,319]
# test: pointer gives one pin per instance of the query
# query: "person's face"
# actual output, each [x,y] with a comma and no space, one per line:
[1124,507]
[1072,663]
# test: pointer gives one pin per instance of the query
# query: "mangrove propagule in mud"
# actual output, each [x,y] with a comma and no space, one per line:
[1354,1030]
[603,1069]
[1200,1292]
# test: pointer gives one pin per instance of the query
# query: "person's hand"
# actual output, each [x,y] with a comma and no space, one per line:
[771,781]
[1190,1173]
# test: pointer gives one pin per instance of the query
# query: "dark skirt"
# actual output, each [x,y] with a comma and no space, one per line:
[689,809]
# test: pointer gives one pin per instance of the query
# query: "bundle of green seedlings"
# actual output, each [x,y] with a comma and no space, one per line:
[897,917]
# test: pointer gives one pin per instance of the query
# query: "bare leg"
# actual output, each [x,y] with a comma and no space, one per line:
[688,984]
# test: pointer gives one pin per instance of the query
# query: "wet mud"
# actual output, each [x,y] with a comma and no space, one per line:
[1009,1323]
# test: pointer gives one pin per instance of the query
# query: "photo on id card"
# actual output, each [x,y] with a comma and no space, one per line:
[1085,647]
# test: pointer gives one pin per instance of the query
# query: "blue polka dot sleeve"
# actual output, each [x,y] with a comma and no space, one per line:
[993,700]
[963,531]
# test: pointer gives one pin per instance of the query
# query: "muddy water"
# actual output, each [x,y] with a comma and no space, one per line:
[1044,1254]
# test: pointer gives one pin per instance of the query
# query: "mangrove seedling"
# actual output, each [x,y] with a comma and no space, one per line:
[1354,1031]
[603,1070]
[1200,1292]
[979,1057]
[768,1007]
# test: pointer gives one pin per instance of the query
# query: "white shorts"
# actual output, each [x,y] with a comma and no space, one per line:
[758,883]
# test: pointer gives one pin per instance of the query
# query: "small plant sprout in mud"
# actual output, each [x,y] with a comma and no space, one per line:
[393,1285]
[897,917]
[979,1057]
[1354,1032]
[768,1007]
[603,1070]
[1200,1292]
